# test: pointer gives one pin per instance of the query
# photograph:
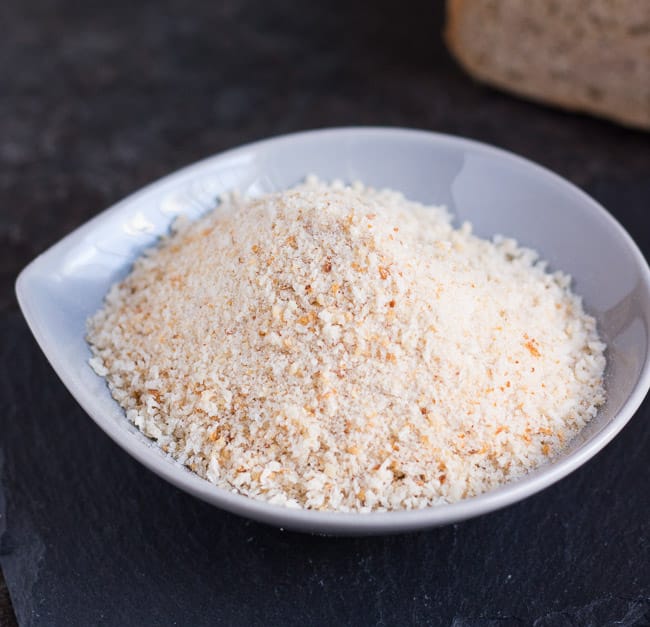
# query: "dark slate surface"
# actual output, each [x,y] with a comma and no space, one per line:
[97,99]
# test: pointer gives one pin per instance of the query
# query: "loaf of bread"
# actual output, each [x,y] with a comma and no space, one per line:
[584,55]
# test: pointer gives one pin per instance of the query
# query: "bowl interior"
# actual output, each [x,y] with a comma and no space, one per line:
[497,192]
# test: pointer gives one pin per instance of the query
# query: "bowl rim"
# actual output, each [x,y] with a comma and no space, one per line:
[340,523]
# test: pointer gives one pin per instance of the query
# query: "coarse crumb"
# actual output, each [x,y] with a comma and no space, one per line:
[336,347]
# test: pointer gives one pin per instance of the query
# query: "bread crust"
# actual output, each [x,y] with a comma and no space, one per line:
[544,91]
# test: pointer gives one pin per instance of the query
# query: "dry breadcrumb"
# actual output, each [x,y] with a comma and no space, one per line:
[342,348]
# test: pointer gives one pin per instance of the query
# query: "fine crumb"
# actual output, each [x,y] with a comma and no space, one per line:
[343,348]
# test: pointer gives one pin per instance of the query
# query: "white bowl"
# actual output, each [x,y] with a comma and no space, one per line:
[497,191]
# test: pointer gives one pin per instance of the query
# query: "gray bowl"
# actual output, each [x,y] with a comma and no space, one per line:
[495,190]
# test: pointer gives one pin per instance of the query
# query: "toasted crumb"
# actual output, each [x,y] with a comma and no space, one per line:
[282,349]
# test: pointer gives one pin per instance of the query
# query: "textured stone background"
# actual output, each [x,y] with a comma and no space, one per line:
[97,99]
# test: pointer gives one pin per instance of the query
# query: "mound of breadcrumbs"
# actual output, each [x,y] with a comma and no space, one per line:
[343,348]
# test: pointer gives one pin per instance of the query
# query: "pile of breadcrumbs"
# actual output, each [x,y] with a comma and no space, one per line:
[343,348]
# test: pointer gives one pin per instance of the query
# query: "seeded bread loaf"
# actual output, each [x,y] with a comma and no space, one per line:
[584,55]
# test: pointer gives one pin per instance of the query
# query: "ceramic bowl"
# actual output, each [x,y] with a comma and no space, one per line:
[495,190]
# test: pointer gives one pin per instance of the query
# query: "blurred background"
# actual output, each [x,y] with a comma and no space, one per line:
[98,99]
